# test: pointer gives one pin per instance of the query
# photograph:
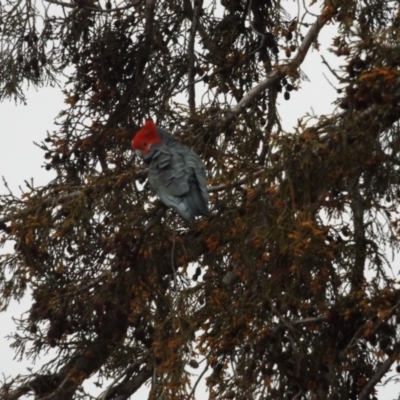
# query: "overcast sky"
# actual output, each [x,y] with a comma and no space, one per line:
[20,160]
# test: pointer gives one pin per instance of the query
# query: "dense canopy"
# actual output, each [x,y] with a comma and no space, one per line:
[286,290]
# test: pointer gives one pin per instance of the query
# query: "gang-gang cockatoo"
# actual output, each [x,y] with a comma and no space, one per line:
[176,173]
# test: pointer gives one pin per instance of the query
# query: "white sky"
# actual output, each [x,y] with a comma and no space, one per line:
[20,160]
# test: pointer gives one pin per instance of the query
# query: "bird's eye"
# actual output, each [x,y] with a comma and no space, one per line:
[145,143]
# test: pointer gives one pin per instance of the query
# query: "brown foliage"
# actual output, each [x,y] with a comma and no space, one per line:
[280,305]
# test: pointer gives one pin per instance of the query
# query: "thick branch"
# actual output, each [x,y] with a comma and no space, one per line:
[71,375]
[376,378]
[133,3]
[125,389]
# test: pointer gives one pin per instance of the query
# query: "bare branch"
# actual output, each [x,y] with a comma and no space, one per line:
[376,378]
[307,321]
[357,208]
[189,12]
[280,72]
[191,58]
[130,384]
[134,3]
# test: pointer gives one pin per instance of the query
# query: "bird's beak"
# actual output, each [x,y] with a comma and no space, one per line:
[139,153]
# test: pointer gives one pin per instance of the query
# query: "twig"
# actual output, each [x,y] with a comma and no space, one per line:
[333,72]
[172,263]
[197,382]
[239,182]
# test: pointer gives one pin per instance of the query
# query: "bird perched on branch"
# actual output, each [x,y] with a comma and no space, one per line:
[176,173]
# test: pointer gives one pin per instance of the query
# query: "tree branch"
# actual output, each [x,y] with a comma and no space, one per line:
[357,208]
[306,321]
[191,58]
[189,12]
[281,71]
[129,384]
[133,3]
[376,378]
[125,390]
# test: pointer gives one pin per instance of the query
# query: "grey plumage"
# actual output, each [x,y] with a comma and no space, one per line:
[177,176]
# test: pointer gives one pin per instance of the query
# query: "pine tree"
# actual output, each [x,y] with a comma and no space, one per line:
[280,305]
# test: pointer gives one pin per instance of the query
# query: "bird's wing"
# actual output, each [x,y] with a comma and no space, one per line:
[198,195]
[178,178]
[168,173]
[191,159]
